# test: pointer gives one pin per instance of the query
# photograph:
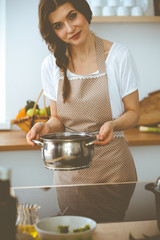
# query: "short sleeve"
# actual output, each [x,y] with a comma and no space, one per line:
[129,77]
[48,77]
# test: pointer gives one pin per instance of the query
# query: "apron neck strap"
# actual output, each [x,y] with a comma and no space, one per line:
[100,55]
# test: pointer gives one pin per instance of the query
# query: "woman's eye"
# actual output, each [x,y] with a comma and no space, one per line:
[58,26]
[73,15]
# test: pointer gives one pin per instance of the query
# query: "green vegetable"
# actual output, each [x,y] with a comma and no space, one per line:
[149,129]
[63,229]
[85,228]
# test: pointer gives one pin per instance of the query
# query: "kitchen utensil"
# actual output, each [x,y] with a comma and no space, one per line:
[67,150]
[123,11]
[48,228]
[129,3]
[108,11]
[26,219]
[137,11]
[97,11]
[150,109]
[155,188]
[113,3]
[97,3]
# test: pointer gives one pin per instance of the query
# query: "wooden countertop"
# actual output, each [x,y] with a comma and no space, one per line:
[15,140]
[138,230]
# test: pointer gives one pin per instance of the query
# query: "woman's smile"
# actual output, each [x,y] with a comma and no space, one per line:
[76,36]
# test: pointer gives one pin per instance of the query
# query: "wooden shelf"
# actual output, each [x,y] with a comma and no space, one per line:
[130,19]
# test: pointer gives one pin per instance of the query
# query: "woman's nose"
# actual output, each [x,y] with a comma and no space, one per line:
[69,27]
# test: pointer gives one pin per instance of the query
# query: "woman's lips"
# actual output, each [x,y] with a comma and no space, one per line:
[77,35]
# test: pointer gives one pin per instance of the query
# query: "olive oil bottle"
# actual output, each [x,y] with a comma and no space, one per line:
[8,210]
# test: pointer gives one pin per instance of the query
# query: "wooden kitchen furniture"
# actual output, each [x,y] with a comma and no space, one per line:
[14,140]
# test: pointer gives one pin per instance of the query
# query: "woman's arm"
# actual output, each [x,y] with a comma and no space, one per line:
[127,120]
[131,115]
[54,124]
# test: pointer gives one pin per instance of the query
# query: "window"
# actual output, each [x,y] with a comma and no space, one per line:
[3,124]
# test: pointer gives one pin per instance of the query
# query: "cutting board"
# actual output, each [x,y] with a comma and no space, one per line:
[150,109]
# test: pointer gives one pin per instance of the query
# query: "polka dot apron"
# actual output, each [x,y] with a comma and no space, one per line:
[86,110]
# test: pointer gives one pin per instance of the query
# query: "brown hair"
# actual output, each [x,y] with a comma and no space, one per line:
[55,44]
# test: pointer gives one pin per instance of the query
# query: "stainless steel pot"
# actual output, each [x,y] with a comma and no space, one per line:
[67,150]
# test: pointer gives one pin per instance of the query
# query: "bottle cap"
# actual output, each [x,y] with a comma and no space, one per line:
[5,173]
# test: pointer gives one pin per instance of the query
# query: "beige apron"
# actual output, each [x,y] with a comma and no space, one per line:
[86,110]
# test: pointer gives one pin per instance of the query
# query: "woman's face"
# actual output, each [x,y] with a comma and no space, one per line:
[69,24]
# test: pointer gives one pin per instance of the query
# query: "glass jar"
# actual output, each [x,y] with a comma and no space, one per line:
[27,217]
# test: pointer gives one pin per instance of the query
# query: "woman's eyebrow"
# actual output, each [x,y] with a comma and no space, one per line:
[66,17]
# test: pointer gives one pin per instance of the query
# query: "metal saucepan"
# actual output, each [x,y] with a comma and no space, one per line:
[67,150]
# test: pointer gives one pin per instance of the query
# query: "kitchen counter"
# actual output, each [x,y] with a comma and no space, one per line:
[15,140]
[119,231]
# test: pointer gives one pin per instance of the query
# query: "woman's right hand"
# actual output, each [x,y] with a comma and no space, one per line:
[40,128]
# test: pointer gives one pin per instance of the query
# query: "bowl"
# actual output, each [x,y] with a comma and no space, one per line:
[48,228]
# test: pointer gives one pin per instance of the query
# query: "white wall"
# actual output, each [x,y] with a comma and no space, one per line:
[2,60]
[26,50]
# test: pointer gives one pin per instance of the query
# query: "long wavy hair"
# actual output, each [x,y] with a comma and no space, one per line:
[55,44]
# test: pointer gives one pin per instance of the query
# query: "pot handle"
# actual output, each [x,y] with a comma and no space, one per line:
[37,142]
[92,142]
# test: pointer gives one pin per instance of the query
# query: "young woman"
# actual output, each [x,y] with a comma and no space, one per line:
[92,85]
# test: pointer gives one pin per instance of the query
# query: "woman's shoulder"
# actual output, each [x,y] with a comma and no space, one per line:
[49,68]
[107,46]
[49,62]
[118,51]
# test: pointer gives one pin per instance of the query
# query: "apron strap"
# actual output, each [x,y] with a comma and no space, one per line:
[100,55]
[61,74]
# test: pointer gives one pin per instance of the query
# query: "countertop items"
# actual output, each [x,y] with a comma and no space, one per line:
[150,109]
[66,228]
[119,7]
[15,140]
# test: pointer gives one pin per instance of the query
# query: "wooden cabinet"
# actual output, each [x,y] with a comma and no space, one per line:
[128,19]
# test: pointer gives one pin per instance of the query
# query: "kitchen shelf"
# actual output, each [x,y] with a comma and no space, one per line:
[127,19]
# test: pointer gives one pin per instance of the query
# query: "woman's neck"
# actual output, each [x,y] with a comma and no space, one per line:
[84,51]
[83,58]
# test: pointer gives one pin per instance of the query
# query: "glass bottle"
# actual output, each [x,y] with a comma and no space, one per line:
[8,211]
[27,217]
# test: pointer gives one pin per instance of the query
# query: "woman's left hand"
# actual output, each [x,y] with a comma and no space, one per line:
[105,134]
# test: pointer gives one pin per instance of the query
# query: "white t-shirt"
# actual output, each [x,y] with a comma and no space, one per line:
[121,70]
